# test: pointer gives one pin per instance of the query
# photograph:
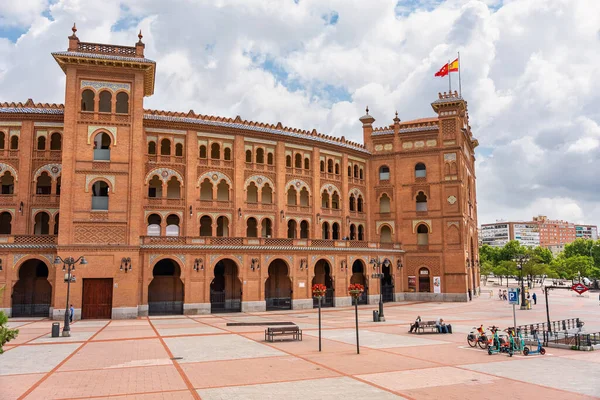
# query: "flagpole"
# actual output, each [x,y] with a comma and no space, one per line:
[449,79]
[459,82]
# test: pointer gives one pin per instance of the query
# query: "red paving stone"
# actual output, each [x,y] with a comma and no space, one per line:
[13,386]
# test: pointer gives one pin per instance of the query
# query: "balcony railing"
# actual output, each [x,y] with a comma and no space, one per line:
[46,200]
[331,211]
[28,239]
[271,242]
[164,202]
[220,204]
[53,155]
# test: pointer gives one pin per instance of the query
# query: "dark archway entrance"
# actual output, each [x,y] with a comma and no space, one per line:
[323,276]
[278,287]
[225,288]
[358,276]
[165,292]
[424,285]
[32,294]
[387,284]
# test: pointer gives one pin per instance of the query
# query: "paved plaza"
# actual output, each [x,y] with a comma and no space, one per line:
[191,357]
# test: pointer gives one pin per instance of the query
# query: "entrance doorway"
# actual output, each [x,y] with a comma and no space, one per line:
[323,276]
[424,285]
[165,292]
[278,287]
[97,298]
[32,293]
[387,284]
[225,288]
[358,276]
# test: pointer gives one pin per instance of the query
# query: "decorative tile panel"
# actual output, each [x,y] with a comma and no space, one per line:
[99,85]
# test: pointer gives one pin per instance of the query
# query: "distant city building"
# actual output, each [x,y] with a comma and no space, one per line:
[541,231]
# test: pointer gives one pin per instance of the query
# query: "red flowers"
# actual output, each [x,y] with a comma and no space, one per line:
[356,287]
[318,289]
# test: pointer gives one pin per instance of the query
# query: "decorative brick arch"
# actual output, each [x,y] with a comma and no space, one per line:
[54,170]
[214,177]
[94,130]
[331,188]
[259,181]
[298,184]
[7,167]
[156,258]
[426,222]
[91,179]
[357,192]
[165,174]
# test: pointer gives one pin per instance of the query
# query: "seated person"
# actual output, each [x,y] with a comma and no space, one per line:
[442,327]
[415,326]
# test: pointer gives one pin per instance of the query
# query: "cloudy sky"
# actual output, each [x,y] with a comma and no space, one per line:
[530,72]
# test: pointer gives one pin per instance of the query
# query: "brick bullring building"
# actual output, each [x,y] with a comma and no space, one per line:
[181,213]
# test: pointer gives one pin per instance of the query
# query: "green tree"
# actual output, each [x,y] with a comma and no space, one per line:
[487,267]
[578,265]
[542,255]
[6,334]
[490,254]
[511,250]
[580,247]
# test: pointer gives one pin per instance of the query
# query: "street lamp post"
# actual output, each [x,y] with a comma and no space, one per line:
[520,260]
[68,266]
[377,264]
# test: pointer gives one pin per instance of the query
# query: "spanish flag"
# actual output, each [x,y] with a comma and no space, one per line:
[453,67]
[447,68]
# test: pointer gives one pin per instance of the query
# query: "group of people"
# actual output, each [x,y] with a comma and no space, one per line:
[441,326]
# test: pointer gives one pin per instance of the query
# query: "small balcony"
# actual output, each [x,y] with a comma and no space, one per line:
[164,202]
[331,211]
[219,204]
[46,200]
[29,240]
[165,159]
[51,155]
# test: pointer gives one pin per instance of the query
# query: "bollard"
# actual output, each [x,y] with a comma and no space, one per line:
[375,316]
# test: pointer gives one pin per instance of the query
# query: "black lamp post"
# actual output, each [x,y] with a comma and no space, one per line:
[521,259]
[68,266]
[377,263]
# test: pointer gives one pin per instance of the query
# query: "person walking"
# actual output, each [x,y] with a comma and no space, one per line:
[534,297]
[71,313]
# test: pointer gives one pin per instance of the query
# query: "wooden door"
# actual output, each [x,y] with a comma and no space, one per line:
[97,298]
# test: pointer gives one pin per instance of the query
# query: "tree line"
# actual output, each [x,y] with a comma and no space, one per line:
[580,258]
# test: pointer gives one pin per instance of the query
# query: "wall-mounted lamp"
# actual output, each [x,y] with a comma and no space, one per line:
[318,217]
[191,211]
[21,207]
[198,265]
[348,221]
[398,264]
[254,264]
[282,214]
[303,264]
[239,213]
[343,265]
[0,265]
[125,264]
[468,265]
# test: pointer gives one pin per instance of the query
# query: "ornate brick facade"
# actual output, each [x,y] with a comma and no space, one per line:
[188,213]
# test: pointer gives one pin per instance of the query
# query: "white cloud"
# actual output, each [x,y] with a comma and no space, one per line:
[528,68]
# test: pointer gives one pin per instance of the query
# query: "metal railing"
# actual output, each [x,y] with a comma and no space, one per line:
[574,340]
[556,326]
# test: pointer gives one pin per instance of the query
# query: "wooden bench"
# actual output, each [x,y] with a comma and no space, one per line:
[294,331]
[423,325]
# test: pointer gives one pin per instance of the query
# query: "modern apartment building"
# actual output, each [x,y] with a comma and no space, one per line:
[500,233]
[586,232]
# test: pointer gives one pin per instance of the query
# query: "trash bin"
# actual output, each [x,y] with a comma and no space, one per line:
[375,316]
[55,329]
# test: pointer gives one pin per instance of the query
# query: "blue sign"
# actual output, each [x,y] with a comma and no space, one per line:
[513,296]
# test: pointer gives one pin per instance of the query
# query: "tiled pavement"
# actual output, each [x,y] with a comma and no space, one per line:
[181,357]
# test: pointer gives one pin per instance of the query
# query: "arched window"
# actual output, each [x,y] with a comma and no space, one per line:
[325,230]
[304,230]
[206,190]
[291,196]
[223,191]
[215,151]
[385,234]
[222,226]
[165,147]
[2,139]
[266,228]
[330,166]
[360,174]
[352,202]
[325,199]
[155,187]
[384,203]
[356,171]
[105,103]
[202,151]
[8,183]
[359,204]
[352,232]
[335,231]
[100,196]
[205,226]
[304,197]
[322,166]
[266,194]
[56,141]
[252,193]
[421,202]
[154,221]
[349,171]
[179,150]
[337,168]
[87,100]
[122,103]
[422,235]
[270,158]
[420,170]
[102,147]
[260,156]
[335,201]
[288,161]
[384,173]
[291,233]
[173,189]
[43,184]
[41,143]
[172,225]
[5,223]
[306,163]
[42,224]
[298,160]
[227,154]
[361,232]
[251,226]
[248,156]
[14,142]
[56,221]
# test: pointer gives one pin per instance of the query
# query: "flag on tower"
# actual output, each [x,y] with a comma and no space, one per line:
[453,66]
[443,71]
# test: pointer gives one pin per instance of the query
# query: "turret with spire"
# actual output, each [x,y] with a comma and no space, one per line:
[367,123]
